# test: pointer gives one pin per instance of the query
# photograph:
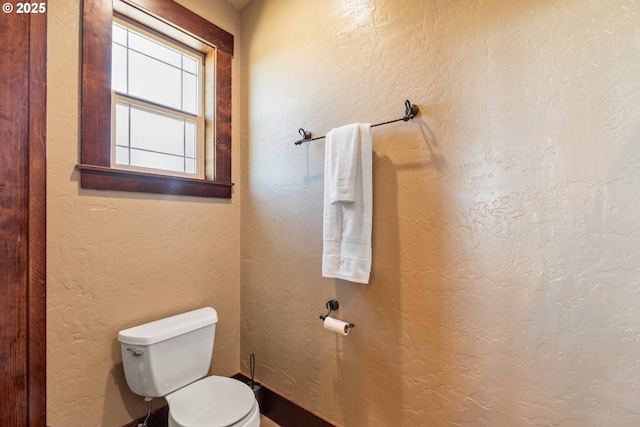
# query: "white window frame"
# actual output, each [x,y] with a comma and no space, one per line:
[199,119]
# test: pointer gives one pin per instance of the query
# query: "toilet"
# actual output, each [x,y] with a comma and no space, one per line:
[170,358]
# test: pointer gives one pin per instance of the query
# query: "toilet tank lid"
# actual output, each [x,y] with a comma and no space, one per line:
[163,329]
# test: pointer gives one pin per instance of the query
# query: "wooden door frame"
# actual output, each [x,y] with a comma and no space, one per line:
[23,51]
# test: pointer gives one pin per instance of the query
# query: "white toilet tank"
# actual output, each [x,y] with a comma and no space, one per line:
[162,356]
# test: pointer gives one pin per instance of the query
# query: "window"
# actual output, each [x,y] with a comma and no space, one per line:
[135,137]
[157,120]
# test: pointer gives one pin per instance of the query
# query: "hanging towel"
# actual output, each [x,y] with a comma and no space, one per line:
[343,150]
[346,248]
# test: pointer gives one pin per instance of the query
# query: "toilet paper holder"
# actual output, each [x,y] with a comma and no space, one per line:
[333,305]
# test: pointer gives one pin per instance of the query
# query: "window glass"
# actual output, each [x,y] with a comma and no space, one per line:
[189,93]
[190,139]
[119,68]
[146,138]
[156,132]
[122,125]
[146,69]
[147,79]
[189,65]
[154,81]
[119,35]
[154,50]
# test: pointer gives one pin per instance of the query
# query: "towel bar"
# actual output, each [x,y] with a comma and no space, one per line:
[410,111]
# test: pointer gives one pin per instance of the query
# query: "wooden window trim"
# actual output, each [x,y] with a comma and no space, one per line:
[95,159]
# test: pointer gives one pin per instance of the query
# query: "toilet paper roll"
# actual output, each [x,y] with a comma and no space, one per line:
[337,326]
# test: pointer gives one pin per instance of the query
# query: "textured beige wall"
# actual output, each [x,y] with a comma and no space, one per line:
[119,259]
[505,286]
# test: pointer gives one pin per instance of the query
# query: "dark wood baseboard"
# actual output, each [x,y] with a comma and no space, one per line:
[283,411]
[272,405]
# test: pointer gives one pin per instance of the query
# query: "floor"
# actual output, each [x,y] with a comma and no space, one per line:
[266,422]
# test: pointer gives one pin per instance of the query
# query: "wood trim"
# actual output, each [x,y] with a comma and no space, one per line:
[97,16]
[210,114]
[36,288]
[103,178]
[182,18]
[22,220]
[223,117]
[96,103]
[14,224]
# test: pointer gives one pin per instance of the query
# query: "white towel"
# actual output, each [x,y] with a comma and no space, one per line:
[342,149]
[346,249]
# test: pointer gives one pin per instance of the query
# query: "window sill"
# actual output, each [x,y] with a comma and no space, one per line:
[104,178]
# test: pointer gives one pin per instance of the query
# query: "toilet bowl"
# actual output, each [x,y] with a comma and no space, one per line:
[213,402]
[171,357]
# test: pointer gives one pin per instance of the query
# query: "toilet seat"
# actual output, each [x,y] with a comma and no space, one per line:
[213,402]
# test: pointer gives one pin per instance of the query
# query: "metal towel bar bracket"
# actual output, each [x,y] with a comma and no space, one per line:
[410,112]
